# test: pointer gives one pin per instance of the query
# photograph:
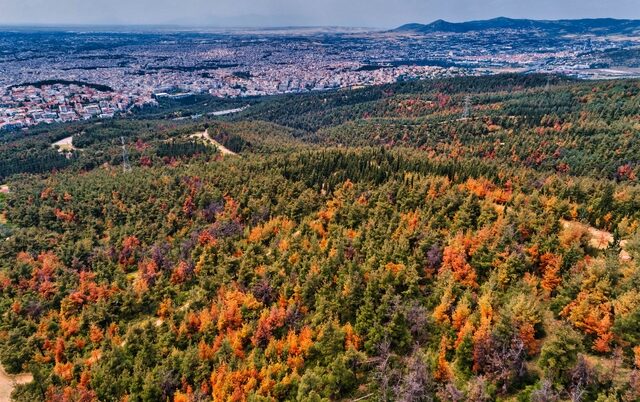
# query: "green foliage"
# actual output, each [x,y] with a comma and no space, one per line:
[560,353]
[426,258]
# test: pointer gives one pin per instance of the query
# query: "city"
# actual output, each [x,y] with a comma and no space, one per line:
[134,67]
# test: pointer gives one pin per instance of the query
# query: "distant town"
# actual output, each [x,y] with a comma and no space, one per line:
[57,76]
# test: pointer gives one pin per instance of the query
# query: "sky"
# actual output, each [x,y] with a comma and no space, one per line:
[355,13]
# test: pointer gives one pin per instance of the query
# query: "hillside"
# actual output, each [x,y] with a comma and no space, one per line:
[473,239]
[602,26]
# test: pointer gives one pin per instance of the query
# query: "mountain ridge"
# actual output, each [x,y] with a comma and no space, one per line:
[596,26]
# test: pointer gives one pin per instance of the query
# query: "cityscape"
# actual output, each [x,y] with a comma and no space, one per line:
[31,105]
[132,68]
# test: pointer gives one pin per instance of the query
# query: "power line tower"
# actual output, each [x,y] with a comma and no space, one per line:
[466,113]
[125,157]
[548,86]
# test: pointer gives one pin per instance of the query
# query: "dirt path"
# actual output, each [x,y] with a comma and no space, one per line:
[8,383]
[205,135]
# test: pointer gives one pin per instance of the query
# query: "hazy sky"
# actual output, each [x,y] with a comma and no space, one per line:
[362,13]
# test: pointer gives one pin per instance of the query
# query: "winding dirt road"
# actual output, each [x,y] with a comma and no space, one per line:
[205,135]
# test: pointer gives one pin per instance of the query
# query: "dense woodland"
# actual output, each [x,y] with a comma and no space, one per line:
[375,245]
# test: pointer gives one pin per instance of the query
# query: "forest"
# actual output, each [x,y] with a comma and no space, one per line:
[466,239]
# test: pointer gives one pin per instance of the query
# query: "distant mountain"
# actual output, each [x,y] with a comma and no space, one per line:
[599,26]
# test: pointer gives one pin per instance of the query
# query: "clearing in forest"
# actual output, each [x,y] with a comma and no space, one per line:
[8,383]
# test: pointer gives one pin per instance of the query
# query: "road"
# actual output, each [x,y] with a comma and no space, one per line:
[226,112]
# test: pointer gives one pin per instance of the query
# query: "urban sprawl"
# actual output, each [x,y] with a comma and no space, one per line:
[84,75]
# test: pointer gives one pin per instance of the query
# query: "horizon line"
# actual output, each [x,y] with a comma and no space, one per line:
[182,26]
[160,25]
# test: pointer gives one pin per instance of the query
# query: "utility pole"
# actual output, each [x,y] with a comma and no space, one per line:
[466,113]
[125,157]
